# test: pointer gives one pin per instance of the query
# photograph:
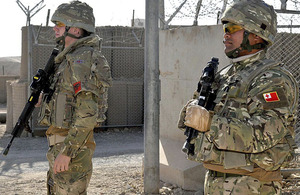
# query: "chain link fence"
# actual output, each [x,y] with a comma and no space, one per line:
[286,51]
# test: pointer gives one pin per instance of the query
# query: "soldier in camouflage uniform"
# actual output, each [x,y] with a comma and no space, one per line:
[249,135]
[78,101]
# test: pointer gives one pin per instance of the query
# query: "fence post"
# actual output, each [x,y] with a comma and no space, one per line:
[151,99]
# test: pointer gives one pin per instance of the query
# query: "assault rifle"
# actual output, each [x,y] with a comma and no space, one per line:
[206,100]
[39,83]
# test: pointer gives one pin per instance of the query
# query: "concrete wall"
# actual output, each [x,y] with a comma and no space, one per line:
[3,79]
[184,52]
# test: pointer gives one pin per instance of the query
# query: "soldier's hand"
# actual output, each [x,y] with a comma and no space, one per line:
[61,163]
[182,114]
[198,118]
[39,101]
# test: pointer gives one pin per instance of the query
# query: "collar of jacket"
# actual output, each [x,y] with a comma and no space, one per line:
[92,40]
[245,61]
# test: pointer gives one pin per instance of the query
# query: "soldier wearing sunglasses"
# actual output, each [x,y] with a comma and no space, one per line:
[251,134]
[77,100]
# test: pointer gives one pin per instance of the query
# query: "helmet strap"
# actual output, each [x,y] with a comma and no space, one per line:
[62,39]
[71,35]
[234,53]
[245,45]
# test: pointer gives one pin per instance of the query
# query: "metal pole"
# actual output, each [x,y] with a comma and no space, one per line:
[162,14]
[198,7]
[29,49]
[151,99]
[222,11]
[283,4]
[29,62]
[132,21]
[48,16]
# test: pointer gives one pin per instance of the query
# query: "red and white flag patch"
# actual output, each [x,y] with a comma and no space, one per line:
[77,86]
[271,97]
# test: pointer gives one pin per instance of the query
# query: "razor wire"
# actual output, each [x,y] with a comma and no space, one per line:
[112,36]
[210,12]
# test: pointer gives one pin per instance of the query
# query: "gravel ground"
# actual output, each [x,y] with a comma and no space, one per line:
[117,166]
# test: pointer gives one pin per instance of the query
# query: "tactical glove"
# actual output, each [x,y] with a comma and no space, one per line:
[197,117]
[181,120]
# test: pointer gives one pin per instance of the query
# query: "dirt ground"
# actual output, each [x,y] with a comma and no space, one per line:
[117,166]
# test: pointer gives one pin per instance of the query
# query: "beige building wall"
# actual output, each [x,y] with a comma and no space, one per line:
[184,52]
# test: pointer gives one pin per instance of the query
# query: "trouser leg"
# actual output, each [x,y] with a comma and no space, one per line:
[74,181]
[50,184]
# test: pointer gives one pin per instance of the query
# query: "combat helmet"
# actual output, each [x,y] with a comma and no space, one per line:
[75,14]
[255,16]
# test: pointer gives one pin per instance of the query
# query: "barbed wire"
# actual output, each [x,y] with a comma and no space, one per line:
[210,9]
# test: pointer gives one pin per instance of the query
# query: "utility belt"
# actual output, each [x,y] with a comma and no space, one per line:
[55,139]
[258,173]
[220,174]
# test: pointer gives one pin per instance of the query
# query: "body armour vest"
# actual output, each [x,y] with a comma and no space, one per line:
[80,68]
[254,117]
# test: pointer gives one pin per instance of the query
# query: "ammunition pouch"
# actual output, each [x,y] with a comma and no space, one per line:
[58,112]
[44,117]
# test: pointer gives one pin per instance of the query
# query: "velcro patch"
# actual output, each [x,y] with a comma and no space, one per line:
[271,97]
[77,86]
[78,61]
[275,98]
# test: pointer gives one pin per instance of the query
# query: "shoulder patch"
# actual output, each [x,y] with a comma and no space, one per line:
[273,99]
[271,96]
[77,87]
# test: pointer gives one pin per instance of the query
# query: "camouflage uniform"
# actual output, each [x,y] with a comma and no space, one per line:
[252,130]
[77,105]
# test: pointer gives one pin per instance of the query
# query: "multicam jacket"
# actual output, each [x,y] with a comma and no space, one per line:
[79,100]
[254,117]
